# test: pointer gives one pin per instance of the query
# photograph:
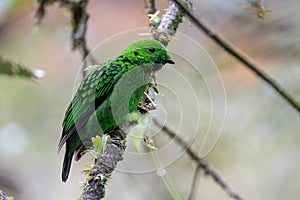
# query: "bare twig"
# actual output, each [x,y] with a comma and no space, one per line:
[200,162]
[195,183]
[250,64]
[79,27]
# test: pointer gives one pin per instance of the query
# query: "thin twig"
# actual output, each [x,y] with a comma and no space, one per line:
[250,64]
[79,27]
[195,183]
[200,162]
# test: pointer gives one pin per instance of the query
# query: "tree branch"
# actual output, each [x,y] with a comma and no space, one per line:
[105,164]
[79,27]
[79,19]
[233,51]
[200,163]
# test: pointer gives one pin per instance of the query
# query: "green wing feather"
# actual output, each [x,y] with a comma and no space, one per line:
[90,94]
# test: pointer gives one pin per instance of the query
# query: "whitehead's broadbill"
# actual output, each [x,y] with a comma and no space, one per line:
[107,95]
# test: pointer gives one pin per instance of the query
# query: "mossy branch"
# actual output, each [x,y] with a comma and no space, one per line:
[79,19]
[105,164]
[164,29]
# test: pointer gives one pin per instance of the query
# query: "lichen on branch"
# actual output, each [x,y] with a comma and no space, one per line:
[164,29]
[105,163]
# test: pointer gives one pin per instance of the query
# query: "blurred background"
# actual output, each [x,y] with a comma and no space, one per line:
[257,152]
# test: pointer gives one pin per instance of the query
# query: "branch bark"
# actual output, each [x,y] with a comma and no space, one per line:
[105,164]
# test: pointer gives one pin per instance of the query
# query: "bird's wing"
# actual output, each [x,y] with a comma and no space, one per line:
[93,90]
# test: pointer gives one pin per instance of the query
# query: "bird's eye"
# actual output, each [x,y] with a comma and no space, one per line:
[151,49]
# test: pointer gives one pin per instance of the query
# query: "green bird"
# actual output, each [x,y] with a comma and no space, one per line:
[107,95]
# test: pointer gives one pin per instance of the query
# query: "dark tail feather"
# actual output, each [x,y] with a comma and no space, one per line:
[66,166]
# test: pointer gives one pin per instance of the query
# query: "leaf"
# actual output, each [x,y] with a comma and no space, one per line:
[97,142]
[88,167]
[100,143]
[154,19]
[105,139]
[13,69]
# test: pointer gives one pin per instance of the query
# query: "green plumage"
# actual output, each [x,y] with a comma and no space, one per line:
[108,94]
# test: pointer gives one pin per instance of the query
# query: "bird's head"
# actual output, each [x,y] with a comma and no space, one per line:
[148,52]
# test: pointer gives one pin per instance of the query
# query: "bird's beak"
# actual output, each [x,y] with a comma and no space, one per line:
[170,61]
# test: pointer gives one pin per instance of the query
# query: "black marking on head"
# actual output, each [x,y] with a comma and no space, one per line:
[135,53]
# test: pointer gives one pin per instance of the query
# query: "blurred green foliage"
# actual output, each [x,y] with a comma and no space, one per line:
[14,69]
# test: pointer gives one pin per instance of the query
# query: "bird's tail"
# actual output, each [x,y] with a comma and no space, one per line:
[66,166]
